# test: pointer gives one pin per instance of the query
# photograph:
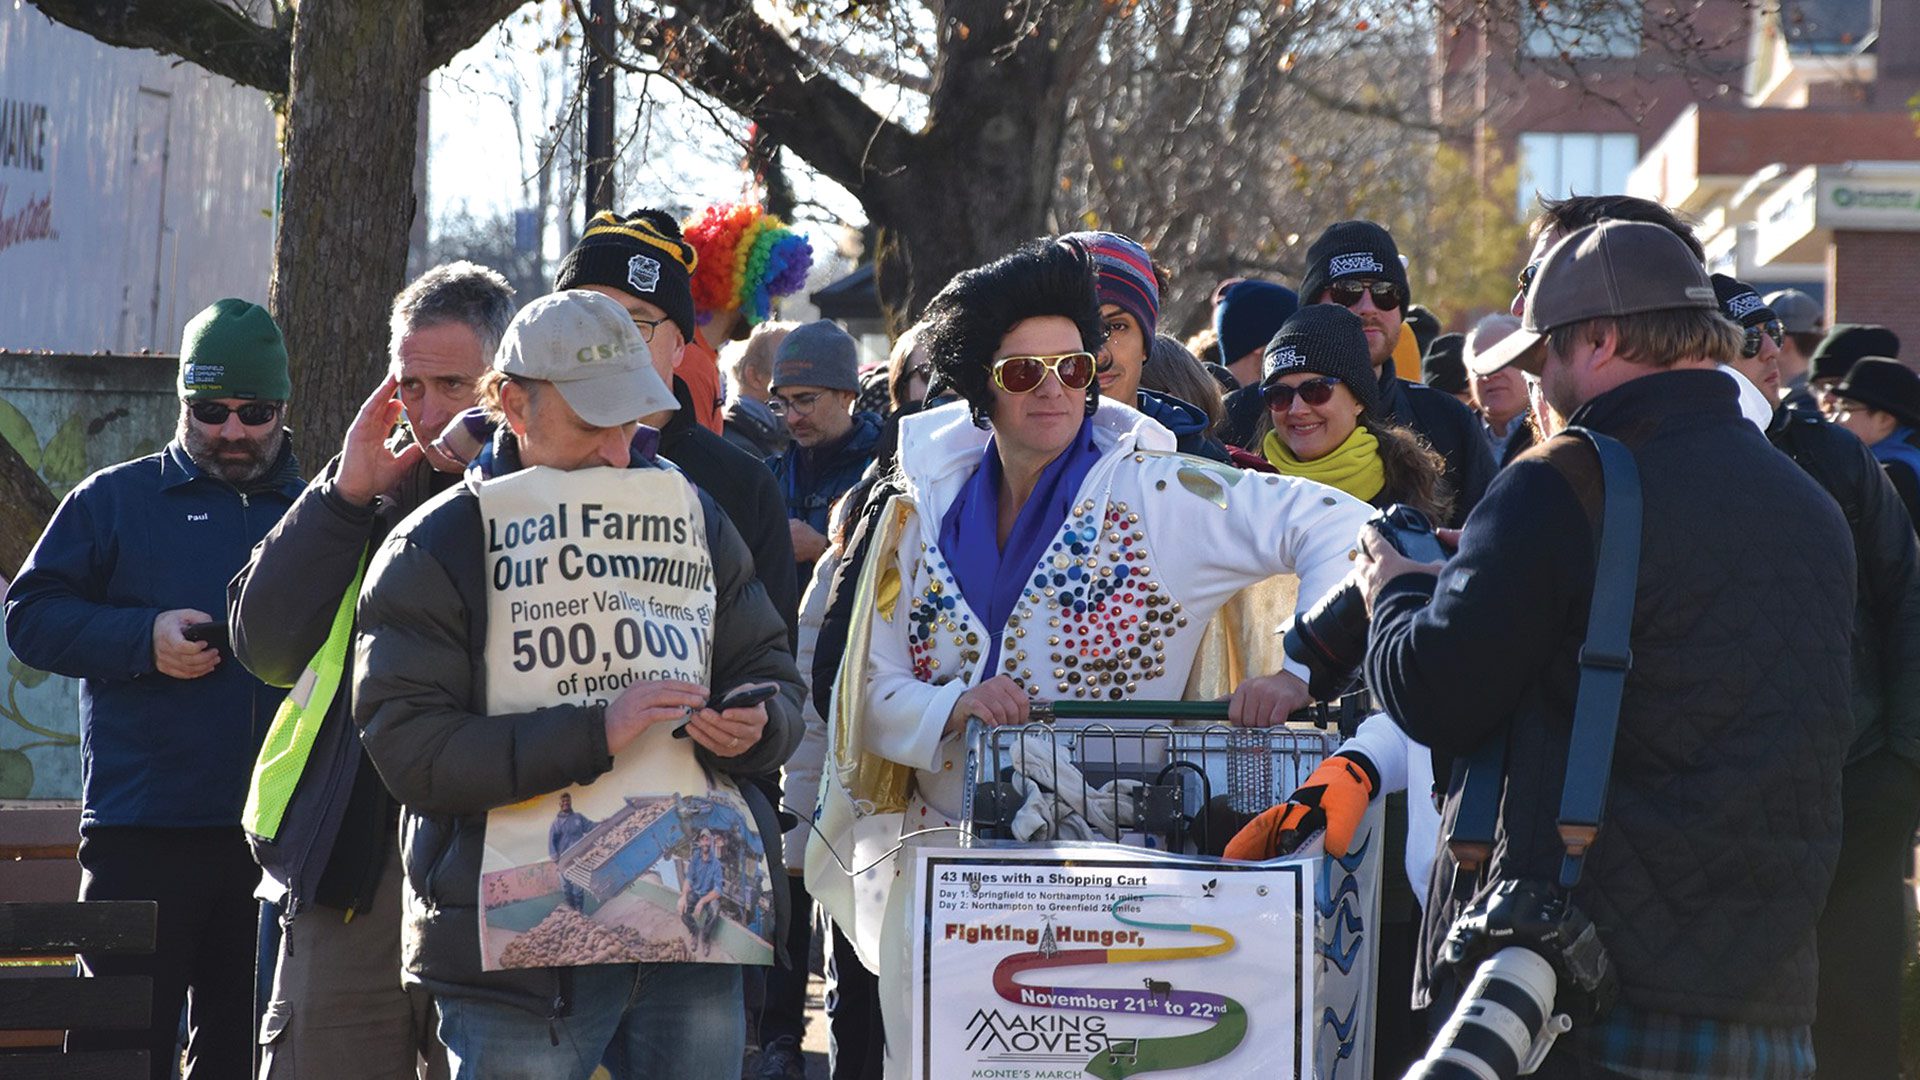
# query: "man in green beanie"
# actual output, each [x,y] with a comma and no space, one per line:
[233,381]
[117,594]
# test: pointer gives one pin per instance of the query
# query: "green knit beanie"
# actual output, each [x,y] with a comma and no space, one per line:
[233,350]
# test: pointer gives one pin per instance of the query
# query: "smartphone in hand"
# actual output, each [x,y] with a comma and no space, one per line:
[213,633]
[740,697]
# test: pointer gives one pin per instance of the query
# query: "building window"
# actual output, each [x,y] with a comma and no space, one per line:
[1556,165]
[1580,29]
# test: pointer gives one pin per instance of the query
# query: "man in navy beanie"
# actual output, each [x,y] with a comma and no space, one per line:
[1246,316]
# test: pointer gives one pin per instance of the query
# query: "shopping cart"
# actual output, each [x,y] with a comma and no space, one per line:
[1165,775]
[1079,791]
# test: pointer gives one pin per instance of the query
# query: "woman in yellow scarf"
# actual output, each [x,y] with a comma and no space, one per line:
[1323,401]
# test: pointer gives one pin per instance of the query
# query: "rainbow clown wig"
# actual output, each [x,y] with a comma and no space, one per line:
[747,257]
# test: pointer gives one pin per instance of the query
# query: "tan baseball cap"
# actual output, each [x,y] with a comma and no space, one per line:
[1606,270]
[586,345]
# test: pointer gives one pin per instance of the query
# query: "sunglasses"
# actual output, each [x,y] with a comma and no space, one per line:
[1386,295]
[1279,396]
[1023,374]
[1773,328]
[252,414]
[1525,280]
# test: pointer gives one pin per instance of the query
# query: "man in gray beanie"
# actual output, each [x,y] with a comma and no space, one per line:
[816,377]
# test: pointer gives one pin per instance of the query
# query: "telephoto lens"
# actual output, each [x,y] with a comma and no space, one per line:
[1503,1026]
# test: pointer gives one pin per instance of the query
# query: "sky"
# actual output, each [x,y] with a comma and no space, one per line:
[675,154]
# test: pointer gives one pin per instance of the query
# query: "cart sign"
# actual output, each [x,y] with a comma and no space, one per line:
[1101,961]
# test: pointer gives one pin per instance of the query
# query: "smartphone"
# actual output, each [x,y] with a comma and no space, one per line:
[213,633]
[740,697]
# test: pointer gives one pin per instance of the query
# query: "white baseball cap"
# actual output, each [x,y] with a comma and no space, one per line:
[586,345]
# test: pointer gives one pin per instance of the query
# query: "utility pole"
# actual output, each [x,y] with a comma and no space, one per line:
[599,186]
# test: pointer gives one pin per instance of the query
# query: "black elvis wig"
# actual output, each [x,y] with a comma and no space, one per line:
[964,325]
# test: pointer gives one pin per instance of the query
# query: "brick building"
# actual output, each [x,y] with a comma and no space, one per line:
[1812,179]
[1782,129]
[1574,91]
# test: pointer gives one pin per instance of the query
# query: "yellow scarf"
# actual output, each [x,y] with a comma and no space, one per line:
[1353,467]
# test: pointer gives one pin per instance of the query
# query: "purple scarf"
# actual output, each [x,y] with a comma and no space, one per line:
[991,578]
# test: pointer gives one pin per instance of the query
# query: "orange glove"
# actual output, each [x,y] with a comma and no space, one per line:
[1334,798]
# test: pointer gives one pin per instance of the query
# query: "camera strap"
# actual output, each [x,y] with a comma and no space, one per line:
[1605,658]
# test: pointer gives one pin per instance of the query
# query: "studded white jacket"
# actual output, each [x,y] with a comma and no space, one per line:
[1155,542]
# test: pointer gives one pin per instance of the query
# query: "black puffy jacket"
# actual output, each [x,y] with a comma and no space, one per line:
[1723,813]
[1886,616]
[418,688]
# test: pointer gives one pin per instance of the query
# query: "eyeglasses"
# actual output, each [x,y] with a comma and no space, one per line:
[797,405]
[1386,295]
[1773,328]
[252,414]
[1279,396]
[648,327]
[1023,374]
[1525,281]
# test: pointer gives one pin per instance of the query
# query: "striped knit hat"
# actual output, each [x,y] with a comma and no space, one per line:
[1125,276]
[643,255]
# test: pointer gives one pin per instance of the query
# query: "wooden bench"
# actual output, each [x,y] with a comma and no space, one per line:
[42,927]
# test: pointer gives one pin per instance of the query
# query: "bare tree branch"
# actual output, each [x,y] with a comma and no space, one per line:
[870,66]
[450,26]
[735,57]
[227,42]
[204,32]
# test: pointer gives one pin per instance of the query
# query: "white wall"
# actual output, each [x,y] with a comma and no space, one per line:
[134,190]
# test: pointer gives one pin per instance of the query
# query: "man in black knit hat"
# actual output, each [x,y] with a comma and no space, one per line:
[1846,345]
[1356,265]
[643,262]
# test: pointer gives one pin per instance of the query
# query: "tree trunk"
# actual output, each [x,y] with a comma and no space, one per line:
[979,182]
[347,204]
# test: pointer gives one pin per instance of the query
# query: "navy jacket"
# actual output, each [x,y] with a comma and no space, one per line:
[132,541]
[1187,421]
[1723,811]
[810,487]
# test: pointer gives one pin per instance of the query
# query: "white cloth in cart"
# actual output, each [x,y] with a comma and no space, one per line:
[1059,805]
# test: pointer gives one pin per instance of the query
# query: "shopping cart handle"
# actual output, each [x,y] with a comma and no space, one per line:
[1345,714]
[1046,711]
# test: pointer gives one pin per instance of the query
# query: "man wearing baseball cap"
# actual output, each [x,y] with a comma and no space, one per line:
[571,381]
[1735,717]
[1357,265]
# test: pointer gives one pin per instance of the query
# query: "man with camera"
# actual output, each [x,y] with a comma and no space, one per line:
[1722,812]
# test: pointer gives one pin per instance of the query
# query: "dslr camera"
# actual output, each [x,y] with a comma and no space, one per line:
[1331,638]
[1518,948]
